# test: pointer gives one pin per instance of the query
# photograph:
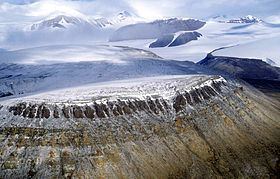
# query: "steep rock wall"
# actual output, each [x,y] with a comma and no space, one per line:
[214,130]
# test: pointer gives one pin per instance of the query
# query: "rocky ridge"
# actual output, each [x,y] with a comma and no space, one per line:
[211,129]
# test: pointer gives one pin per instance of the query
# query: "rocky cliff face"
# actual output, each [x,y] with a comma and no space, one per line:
[212,128]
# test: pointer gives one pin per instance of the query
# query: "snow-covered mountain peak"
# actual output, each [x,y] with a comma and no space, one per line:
[226,19]
[61,20]
[120,19]
[251,19]
[125,18]
[246,19]
[124,15]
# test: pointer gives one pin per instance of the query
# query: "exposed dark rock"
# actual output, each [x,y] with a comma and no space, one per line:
[195,96]
[77,112]
[202,142]
[105,109]
[26,111]
[152,106]
[110,105]
[204,94]
[155,29]
[115,111]
[166,106]
[5,94]
[162,41]
[209,90]
[188,98]
[159,106]
[99,110]
[119,109]
[89,112]
[55,112]
[185,38]
[244,68]
[217,86]
[32,111]
[39,111]
[18,109]
[198,92]
[142,105]
[126,109]
[66,111]
[45,112]
[12,108]
[131,105]
[179,103]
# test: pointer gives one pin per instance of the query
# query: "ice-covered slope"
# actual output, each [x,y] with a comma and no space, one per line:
[261,49]
[170,40]
[216,35]
[155,29]
[244,68]
[72,53]
[51,67]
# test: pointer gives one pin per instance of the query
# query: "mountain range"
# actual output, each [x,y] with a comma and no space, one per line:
[121,96]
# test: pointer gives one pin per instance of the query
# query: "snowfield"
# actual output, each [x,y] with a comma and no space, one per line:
[53,67]
[140,49]
[72,53]
[139,88]
[262,49]
[216,35]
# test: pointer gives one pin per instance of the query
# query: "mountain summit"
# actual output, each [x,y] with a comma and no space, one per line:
[63,21]
[246,19]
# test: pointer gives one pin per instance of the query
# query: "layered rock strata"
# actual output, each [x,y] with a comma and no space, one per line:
[214,129]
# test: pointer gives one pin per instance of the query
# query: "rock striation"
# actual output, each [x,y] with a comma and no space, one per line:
[119,107]
[213,129]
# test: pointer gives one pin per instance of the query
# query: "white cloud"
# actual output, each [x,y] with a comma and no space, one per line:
[151,8]
[204,8]
[10,9]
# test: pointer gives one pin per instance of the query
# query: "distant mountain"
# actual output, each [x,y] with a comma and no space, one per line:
[121,19]
[249,19]
[155,29]
[63,21]
[170,41]
[123,16]
[103,22]
[241,20]
[244,68]
[246,19]
[184,38]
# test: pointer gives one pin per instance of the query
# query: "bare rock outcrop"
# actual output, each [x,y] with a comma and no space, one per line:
[215,129]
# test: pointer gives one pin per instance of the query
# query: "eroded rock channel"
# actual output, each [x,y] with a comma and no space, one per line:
[213,129]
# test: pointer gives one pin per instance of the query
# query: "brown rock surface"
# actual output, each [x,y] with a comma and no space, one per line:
[211,132]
